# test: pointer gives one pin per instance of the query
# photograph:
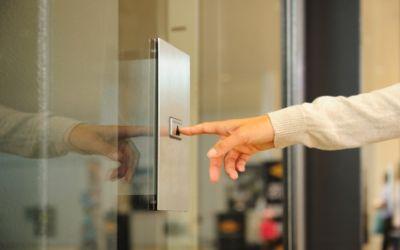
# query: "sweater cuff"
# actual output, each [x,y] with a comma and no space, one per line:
[60,128]
[289,126]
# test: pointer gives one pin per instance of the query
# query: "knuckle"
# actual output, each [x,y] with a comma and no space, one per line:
[230,158]
[204,126]
[244,158]
[229,165]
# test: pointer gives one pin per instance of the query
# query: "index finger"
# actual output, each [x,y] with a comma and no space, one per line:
[217,128]
[124,132]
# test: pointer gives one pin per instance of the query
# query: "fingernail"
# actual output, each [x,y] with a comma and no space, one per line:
[212,153]
[234,175]
[241,167]
[213,175]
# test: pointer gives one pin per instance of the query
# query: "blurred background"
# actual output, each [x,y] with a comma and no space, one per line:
[88,61]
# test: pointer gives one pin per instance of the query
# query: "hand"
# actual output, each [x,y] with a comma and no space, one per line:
[110,141]
[239,140]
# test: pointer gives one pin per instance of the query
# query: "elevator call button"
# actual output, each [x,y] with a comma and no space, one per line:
[174,125]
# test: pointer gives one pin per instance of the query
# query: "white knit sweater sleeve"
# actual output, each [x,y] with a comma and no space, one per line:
[24,134]
[332,123]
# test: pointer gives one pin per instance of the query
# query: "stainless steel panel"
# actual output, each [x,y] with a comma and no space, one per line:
[173,102]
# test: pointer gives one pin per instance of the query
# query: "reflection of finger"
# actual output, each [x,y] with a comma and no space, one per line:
[164,131]
[113,174]
[129,162]
[117,173]
[136,157]
[241,162]
[124,132]
[123,159]
[215,168]
[122,170]
[129,175]
[230,163]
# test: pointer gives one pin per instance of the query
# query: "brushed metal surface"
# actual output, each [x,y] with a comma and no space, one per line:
[173,101]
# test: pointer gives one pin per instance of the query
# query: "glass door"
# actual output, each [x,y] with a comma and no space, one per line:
[78,114]
[59,111]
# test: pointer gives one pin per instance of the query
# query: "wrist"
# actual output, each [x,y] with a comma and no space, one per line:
[68,136]
[289,126]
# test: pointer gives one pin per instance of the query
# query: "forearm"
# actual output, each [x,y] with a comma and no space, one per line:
[33,135]
[333,123]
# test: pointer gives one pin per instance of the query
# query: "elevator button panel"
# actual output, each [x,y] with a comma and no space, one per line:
[173,112]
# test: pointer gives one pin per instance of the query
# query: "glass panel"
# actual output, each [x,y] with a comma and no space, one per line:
[19,182]
[71,71]
[59,64]
[137,103]
[83,84]
[381,161]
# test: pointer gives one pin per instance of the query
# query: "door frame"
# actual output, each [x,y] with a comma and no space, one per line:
[293,54]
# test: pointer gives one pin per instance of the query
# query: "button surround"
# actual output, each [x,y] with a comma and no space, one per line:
[174,125]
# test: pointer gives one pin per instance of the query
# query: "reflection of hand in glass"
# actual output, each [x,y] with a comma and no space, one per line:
[46,136]
[110,141]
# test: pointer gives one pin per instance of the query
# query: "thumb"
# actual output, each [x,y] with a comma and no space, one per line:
[225,145]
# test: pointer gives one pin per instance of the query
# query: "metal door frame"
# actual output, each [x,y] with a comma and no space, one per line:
[293,93]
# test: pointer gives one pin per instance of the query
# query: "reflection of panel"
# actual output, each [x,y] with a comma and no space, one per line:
[137,107]
[173,101]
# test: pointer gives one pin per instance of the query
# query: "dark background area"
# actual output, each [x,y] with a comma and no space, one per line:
[333,206]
